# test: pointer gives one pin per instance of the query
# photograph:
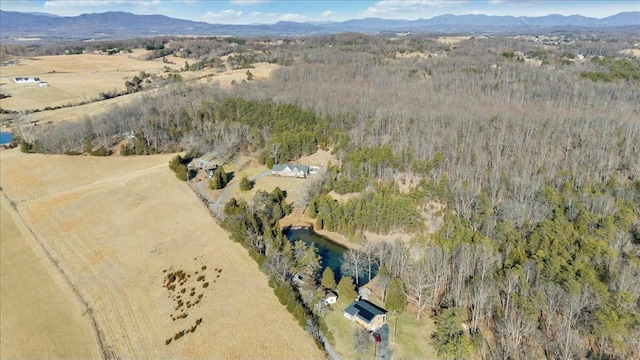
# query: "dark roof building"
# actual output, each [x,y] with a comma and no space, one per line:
[366,314]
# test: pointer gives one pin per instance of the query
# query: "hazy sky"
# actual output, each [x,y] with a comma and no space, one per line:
[271,11]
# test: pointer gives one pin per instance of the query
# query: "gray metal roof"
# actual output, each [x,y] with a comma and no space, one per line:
[280,167]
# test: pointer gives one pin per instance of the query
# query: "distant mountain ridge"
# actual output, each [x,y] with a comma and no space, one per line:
[118,24]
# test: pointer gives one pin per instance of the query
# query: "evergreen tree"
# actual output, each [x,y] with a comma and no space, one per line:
[346,289]
[219,179]
[328,279]
[449,339]
[270,162]
[396,299]
[309,262]
[246,184]
[312,209]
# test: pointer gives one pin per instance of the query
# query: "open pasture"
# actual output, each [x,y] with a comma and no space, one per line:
[117,226]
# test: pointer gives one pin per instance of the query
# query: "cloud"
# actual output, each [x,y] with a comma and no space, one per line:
[329,13]
[248,2]
[406,9]
[82,3]
[274,17]
[292,17]
[221,15]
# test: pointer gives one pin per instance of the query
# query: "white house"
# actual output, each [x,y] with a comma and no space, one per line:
[330,297]
[290,170]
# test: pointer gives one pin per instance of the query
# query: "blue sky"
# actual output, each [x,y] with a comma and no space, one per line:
[271,11]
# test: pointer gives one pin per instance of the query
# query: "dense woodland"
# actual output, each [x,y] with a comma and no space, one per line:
[534,150]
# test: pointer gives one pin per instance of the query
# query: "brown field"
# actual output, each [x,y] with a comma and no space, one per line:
[114,225]
[71,78]
[632,52]
[40,317]
[80,78]
[452,39]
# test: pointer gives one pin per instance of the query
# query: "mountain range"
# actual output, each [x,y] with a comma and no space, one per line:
[117,24]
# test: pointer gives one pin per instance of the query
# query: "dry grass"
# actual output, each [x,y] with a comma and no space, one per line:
[452,39]
[246,166]
[632,52]
[227,78]
[40,317]
[71,78]
[413,54]
[114,224]
[412,339]
[80,78]
[319,158]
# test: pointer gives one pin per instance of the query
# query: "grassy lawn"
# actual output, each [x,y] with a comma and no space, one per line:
[412,338]
[342,329]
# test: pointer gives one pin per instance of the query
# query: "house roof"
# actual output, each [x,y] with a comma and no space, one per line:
[280,167]
[329,294]
[364,310]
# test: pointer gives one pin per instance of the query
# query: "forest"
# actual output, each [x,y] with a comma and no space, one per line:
[534,150]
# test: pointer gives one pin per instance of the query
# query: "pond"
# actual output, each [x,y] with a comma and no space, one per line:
[330,252]
[5,137]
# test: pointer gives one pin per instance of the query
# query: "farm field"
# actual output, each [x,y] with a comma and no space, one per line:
[40,318]
[119,242]
[72,85]
[71,78]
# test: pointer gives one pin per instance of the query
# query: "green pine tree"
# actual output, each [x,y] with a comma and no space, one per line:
[346,289]
[396,299]
[246,184]
[328,279]
[312,209]
[449,339]
[219,179]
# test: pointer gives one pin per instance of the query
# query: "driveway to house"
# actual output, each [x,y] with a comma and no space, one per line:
[215,208]
[382,350]
[332,353]
[215,205]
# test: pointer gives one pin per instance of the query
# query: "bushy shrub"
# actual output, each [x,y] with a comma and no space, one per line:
[246,184]
[176,164]
[219,179]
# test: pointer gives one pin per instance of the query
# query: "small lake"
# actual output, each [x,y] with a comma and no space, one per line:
[5,137]
[330,252]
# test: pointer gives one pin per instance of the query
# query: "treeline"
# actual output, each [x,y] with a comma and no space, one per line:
[78,47]
[616,69]
[382,210]
[284,131]
[257,228]
[567,288]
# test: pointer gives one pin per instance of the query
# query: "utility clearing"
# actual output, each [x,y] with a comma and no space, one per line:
[129,238]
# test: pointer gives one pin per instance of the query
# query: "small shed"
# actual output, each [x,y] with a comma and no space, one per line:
[329,297]
[364,292]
